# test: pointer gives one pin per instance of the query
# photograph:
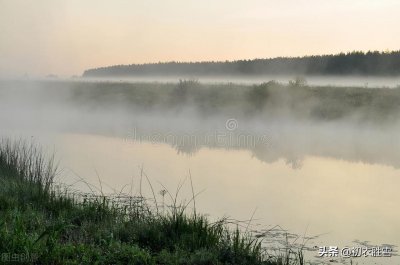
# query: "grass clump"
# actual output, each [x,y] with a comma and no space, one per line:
[42,225]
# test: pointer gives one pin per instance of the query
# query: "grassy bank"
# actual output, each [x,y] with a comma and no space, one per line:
[41,225]
[270,100]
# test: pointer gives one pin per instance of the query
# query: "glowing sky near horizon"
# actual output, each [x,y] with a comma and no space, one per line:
[41,37]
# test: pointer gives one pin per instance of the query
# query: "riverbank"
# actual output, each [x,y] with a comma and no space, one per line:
[40,224]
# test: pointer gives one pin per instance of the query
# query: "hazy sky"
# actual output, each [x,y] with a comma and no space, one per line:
[40,37]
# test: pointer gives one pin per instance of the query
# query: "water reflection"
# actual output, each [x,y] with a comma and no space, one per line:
[271,141]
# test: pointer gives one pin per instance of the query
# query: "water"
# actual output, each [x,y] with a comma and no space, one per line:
[326,191]
[323,183]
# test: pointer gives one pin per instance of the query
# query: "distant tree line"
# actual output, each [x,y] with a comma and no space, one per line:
[352,63]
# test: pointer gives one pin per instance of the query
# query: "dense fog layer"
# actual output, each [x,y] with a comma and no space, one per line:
[272,121]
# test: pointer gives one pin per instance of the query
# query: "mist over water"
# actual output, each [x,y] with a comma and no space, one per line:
[301,169]
[272,125]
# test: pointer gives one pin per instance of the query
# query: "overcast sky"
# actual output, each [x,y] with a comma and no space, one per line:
[65,37]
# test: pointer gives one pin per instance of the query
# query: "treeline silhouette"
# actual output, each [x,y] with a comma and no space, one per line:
[353,63]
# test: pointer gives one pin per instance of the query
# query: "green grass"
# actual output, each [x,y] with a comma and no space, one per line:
[44,225]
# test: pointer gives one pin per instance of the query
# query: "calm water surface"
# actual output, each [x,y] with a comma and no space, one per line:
[339,202]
